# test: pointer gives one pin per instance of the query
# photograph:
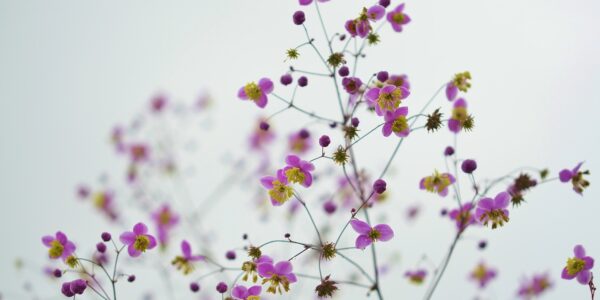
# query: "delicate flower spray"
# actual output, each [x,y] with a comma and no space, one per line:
[315,153]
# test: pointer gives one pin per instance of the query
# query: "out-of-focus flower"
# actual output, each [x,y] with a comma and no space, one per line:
[138,240]
[398,18]
[250,268]
[298,171]
[165,220]
[368,234]
[300,142]
[460,118]
[579,266]
[260,137]
[534,287]
[75,287]
[240,292]
[463,216]
[59,246]
[416,276]
[437,183]
[576,177]
[308,2]
[493,210]
[352,85]
[482,274]
[185,261]
[279,190]
[257,92]
[461,81]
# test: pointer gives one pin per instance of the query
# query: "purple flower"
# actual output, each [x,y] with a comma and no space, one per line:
[59,246]
[395,121]
[376,12]
[75,287]
[532,288]
[387,98]
[308,2]
[259,138]
[483,274]
[437,183]
[459,115]
[184,262]
[279,275]
[352,85]
[279,191]
[257,92]
[451,91]
[358,27]
[298,171]
[165,220]
[576,178]
[368,234]
[397,18]
[138,240]
[493,210]
[300,142]
[399,81]
[578,266]
[463,216]
[240,292]
[417,276]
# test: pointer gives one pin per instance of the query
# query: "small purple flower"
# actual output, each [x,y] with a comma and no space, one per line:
[417,276]
[368,234]
[257,92]
[75,287]
[138,240]
[396,122]
[463,216]
[165,220]
[240,292]
[298,171]
[483,274]
[352,85]
[185,261]
[578,266]
[398,18]
[387,98]
[300,142]
[399,81]
[532,288]
[279,190]
[437,183]
[459,115]
[576,177]
[279,275]
[59,246]
[358,27]
[493,210]
[376,12]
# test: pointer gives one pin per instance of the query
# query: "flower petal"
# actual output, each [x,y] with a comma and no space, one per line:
[584,277]
[565,175]
[360,226]
[266,85]
[579,251]
[501,200]
[386,232]
[140,228]
[265,269]
[283,267]
[127,238]
[362,242]
[186,249]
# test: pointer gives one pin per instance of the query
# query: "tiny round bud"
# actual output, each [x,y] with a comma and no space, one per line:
[245,236]
[222,287]
[194,287]
[324,141]
[443,212]
[379,186]
[57,273]
[342,37]
[330,207]
[131,278]
[383,76]
[353,210]
[344,71]
[101,247]
[303,81]
[355,121]
[468,166]
[304,134]
[482,244]
[264,126]
[287,235]
[106,236]
[299,17]
[332,125]
[449,151]
[230,255]
[286,79]
[384,3]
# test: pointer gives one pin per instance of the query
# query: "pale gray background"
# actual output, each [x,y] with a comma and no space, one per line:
[69,70]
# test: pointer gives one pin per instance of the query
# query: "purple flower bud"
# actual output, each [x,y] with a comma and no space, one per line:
[344,71]
[286,79]
[106,236]
[222,287]
[287,235]
[304,134]
[263,125]
[482,244]
[245,236]
[101,247]
[342,37]
[443,212]
[379,186]
[57,273]
[330,207]
[299,17]
[324,141]
[131,278]
[468,166]
[78,286]
[384,3]
[66,289]
[449,151]
[230,255]
[303,81]
[383,76]
[194,287]
[355,121]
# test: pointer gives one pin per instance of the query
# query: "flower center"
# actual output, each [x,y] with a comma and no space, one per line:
[295,175]
[459,114]
[276,281]
[390,101]
[141,243]
[436,182]
[575,265]
[99,200]
[252,91]
[164,217]
[56,249]
[496,216]
[181,263]
[280,192]
[374,234]
[399,124]
[398,18]
[480,272]
[253,298]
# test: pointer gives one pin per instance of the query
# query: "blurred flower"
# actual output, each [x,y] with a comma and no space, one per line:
[417,276]
[240,292]
[185,261]
[463,216]
[532,288]
[165,220]
[368,234]
[437,183]
[493,210]
[398,18]
[59,246]
[483,274]
[576,178]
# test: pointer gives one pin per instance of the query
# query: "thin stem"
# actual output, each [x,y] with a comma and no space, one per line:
[437,279]
[312,220]
[310,114]
[357,267]
[366,134]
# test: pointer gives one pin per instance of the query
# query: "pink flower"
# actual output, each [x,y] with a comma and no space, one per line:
[398,18]
[138,240]
[257,92]
[483,274]
[395,121]
[578,266]
[368,234]
[59,246]
[298,171]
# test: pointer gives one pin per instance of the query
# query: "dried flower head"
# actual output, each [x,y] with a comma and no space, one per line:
[327,288]
[434,121]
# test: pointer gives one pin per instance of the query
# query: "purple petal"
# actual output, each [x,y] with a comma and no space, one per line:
[576,169]
[47,240]
[140,228]
[305,2]
[242,94]
[502,200]
[266,270]
[61,237]
[267,181]
[240,291]
[387,129]
[486,203]
[264,259]
[266,85]
[291,277]
[132,251]
[565,175]
[152,241]
[360,226]
[254,290]
[460,103]
[386,232]
[127,238]
[69,248]
[454,125]
[362,242]
[376,12]
[565,274]
[292,160]
[283,267]
[579,251]
[307,180]
[443,192]
[401,111]
[584,277]
[186,249]
[262,101]
[422,184]
[372,94]
[589,262]
[451,91]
